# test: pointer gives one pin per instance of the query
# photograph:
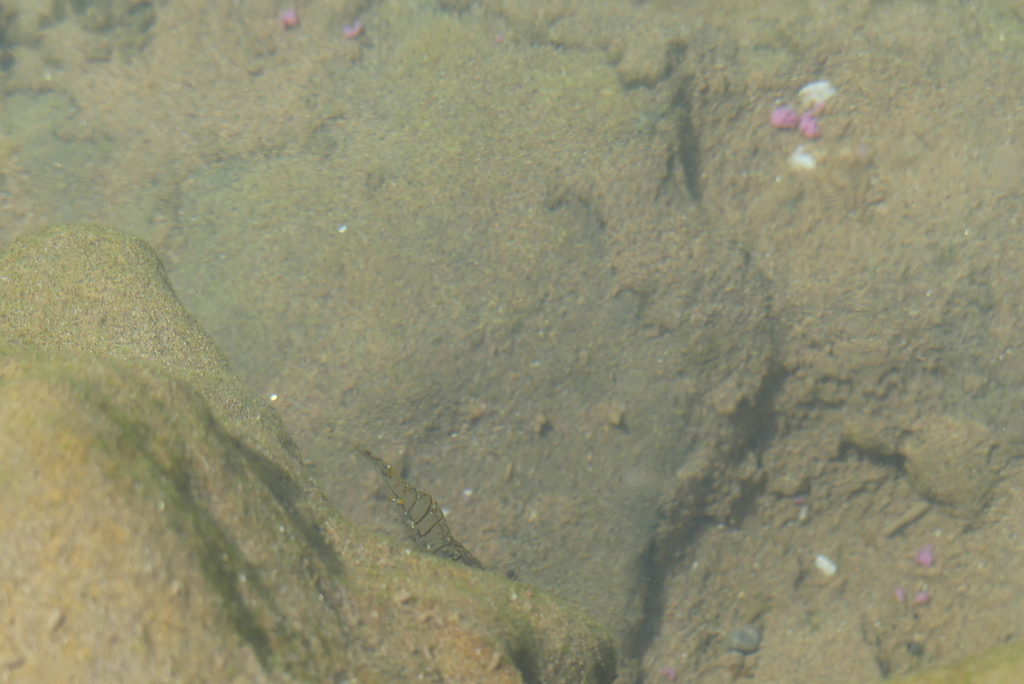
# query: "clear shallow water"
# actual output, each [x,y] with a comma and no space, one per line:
[574,262]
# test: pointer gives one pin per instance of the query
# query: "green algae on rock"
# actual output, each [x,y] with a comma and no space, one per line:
[1000,665]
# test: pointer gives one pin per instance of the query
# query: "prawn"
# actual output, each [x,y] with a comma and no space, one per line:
[423,518]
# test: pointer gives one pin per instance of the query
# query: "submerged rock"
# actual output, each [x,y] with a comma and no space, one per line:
[1000,665]
[156,523]
[954,461]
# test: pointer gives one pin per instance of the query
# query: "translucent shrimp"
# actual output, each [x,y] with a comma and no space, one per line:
[423,517]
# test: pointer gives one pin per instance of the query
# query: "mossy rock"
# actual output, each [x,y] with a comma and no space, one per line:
[1002,665]
[156,522]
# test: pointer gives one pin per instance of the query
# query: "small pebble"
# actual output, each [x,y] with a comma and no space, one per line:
[901,594]
[745,639]
[353,30]
[816,94]
[925,556]
[801,160]
[825,565]
[922,598]
[785,117]
[808,126]
[288,19]
[55,620]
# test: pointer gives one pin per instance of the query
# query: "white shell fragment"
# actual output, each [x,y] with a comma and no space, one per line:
[825,566]
[814,94]
[802,160]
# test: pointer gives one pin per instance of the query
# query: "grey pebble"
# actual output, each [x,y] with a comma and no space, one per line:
[745,639]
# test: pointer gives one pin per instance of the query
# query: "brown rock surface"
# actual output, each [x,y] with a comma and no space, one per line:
[953,461]
[1001,665]
[155,522]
